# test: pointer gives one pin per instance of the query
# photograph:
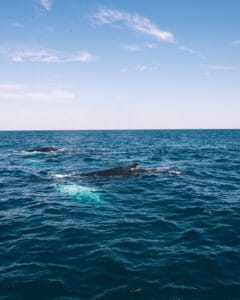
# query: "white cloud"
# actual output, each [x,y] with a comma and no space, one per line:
[46,56]
[47,4]
[136,22]
[143,25]
[33,93]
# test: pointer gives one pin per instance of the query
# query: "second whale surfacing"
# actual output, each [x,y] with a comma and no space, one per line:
[43,149]
[128,170]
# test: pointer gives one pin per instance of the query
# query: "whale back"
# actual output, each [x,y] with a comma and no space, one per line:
[44,149]
[118,171]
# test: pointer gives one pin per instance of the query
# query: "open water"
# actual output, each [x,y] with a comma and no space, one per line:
[168,234]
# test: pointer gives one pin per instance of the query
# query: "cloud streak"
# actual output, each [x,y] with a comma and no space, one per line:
[192,52]
[135,22]
[46,56]
[132,48]
[16,25]
[138,48]
[222,68]
[31,93]
[143,25]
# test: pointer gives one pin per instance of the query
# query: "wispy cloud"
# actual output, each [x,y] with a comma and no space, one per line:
[132,48]
[46,56]
[192,52]
[16,25]
[47,4]
[236,42]
[151,46]
[141,67]
[133,21]
[137,48]
[143,25]
[187,49]
[32,93]
[222,68]
[151,67]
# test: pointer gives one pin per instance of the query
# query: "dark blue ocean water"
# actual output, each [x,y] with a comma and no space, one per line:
[171,234]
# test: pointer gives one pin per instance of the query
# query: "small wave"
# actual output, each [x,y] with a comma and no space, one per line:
[25,152]
[163,170]
[42,152]
[80,193]
[175,172]
[63,175]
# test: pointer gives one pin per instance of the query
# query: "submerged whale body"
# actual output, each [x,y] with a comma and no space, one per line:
[44,149]
[118,171]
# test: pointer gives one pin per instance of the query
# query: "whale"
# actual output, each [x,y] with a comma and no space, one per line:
[44,149]
[128,170]
[122,171]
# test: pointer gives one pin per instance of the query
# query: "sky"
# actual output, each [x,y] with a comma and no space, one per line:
[119,64]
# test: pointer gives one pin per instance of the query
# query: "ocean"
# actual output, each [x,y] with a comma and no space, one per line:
[170,233]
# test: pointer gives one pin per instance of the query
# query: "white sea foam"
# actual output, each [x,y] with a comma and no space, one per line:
[80,192]
[167,170]
[62,175]
[30,153]
[175,172]
[41,152]
[162,169]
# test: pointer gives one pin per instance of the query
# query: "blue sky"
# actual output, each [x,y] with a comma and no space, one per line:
[74,64]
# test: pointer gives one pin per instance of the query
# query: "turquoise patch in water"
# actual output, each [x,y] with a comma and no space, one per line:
[80,193]
[33,163]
